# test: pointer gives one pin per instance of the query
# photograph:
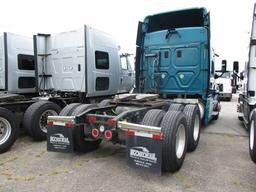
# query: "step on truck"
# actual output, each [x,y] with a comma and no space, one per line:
[246,106]
[175,93]
[70,67]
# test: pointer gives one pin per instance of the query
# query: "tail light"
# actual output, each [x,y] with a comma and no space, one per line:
[95,132]
[50,123]
[108,134]
[91,119]
[111,122]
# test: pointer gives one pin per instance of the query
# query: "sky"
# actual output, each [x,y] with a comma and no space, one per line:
[230,20]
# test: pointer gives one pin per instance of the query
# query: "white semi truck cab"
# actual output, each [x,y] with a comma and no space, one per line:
[84,61]
[224,84]
[246,107]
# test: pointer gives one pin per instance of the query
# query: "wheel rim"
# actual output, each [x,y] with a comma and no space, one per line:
[180,141]
[43,119]
[5,130]
[252,135]
[196,128]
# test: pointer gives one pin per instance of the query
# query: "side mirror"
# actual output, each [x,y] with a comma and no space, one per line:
[224,65]
[241,76]
[236,66]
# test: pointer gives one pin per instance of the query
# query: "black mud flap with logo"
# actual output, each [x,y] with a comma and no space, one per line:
[144,153]
[60,139]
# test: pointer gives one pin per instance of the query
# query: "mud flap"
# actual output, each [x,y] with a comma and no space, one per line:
[60,139]
[144,153]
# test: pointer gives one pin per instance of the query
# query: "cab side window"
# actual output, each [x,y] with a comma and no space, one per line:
[101,60]
[124,64]
[26,62]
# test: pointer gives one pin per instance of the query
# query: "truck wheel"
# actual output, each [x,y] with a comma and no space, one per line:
[35,118]
[176,107]
[104,103]
[175,134]
[80,144]
[192,113]
[8,129]
[153,117]
[69,109]
[252,140]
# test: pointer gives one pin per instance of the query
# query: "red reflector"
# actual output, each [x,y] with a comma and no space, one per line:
[130,133]
[111,122]
[91,119]
[95,132]
[158,136]
[50,122]
[108,134]
[69,124]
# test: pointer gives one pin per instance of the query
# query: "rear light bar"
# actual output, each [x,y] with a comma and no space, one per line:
[66,121]
[144,134]
[132,129]
[67,124]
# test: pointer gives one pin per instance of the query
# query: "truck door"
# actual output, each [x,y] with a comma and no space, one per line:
[127,74]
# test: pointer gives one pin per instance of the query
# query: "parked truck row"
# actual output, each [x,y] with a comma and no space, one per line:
[74,89]
[40,76]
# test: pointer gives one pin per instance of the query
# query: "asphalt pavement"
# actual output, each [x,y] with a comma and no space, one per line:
[220,163]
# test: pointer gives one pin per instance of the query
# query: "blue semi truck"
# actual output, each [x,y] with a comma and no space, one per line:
[175,94]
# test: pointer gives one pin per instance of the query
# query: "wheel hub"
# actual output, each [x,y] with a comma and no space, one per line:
[43,119]
[5,130]
[180,141]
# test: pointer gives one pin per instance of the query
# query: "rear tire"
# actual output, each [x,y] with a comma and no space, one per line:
[153,117]
[66,111]
[80,144]
[174,129]
[9,129]
[176,107]
[252,138]
[192,113]
[35,118]
[81,108]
